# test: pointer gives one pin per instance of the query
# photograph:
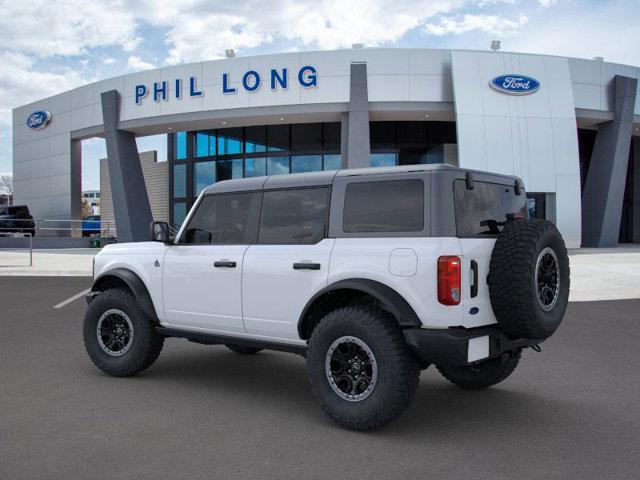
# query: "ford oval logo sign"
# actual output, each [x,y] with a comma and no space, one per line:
[515,84]
[38,119]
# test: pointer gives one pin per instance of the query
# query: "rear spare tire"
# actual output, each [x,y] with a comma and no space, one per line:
[529,279]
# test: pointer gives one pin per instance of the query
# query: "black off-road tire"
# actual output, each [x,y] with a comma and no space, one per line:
[145,346]
[398,368]
[512,279]
[243,350]
[482,375]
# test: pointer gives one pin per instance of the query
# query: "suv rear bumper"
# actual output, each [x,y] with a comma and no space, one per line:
[452,347]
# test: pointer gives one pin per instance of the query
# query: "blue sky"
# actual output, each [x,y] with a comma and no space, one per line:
[52,47]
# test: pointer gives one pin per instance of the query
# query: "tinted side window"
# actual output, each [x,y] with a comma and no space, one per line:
[386,206]
[219,219]
[294,216]
[483,210]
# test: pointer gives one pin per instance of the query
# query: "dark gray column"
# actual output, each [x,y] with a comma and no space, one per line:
[604,186]
[636,190]
[129,193]
[357,141]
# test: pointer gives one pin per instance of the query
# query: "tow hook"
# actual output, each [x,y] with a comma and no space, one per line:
[536,348]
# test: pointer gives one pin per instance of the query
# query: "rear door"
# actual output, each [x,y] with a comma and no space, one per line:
[481,213]
[289,263]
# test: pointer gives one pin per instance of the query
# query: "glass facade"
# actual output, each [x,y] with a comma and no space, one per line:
[201,158]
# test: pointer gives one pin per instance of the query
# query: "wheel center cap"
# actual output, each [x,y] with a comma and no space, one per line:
[119,331]
[356,367]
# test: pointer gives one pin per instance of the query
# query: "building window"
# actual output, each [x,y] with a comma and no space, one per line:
[255,139]
[180,180]
[180,146]
[255,167]
[179,214]
[229,141]
[205,144]
[383,159]
[408,143]
[277,165]
[204,174]
[332,162]
[201,158]
[306,163]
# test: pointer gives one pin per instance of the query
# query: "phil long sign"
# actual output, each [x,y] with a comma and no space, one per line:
[515,84]
[250,81]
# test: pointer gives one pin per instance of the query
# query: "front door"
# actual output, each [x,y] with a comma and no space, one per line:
[289,263]
[202,272]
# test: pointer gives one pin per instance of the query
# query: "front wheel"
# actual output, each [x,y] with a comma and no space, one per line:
[484,374]
[361,371]
[118,337]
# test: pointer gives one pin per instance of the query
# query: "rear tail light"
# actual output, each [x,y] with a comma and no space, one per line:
[449,280]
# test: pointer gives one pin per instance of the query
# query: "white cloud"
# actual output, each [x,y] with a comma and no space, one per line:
[135,63]
[491,24]
[108,61]
[325,24]
[547,3]
[21,83]
[46,28]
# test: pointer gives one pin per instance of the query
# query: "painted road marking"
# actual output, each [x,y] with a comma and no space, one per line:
[72,299]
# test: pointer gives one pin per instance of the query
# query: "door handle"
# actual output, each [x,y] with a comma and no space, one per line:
[306,266]
[224,263]
[474,271]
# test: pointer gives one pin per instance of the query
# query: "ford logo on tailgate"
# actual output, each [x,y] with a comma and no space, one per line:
[515,84]
[38,119]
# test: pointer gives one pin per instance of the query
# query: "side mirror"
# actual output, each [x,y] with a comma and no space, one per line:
[159,232]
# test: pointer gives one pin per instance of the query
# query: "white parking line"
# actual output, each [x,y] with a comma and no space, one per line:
[75,297]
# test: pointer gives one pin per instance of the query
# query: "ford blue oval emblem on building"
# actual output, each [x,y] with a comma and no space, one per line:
[38,119]
[515,84]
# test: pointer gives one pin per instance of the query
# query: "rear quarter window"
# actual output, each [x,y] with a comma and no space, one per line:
[384,206]
[484,210]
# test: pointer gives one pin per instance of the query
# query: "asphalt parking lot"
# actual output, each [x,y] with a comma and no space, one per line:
[571,411]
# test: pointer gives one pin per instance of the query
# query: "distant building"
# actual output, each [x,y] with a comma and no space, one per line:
[155,178]
[93,198]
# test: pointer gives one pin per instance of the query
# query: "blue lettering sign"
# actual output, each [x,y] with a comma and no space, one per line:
[157,90]
[192,88]
[141,92]
[515,84]
[275,77]
[251,86]
[225,84]
[310,80]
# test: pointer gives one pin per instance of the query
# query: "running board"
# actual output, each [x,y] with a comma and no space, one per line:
[216,339]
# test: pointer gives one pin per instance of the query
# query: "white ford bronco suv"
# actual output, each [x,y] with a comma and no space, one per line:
[370,274]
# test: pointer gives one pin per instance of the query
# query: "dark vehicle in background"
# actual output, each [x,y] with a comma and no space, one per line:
[17,219]
[91,225]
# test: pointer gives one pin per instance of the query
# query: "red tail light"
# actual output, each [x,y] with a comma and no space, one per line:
[449,280]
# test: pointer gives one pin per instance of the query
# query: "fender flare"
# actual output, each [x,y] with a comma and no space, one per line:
[135,284]
[390,300]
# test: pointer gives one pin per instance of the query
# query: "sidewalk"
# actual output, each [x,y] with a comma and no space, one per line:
[596,274]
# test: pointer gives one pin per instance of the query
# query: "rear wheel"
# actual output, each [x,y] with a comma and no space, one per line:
[360,369]
[243,350]
[118,337]
[482,375]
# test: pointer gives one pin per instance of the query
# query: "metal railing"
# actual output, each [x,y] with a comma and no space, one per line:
[57,228]
[21,235]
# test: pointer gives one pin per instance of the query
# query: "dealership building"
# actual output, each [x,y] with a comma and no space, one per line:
[568,127]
